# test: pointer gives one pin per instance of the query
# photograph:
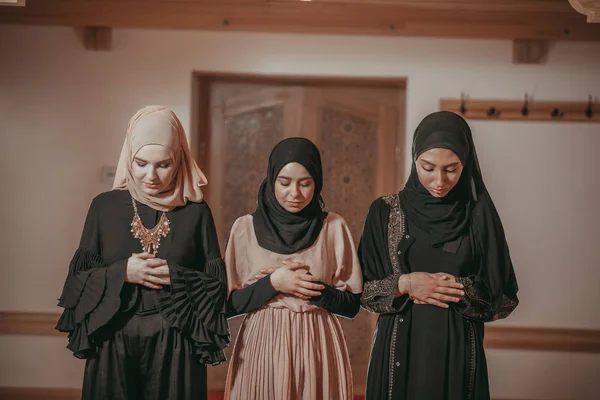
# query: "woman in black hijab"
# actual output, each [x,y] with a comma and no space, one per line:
[436,266]
[276,228]
[290,267]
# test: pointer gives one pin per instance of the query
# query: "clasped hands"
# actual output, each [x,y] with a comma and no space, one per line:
[293,278]
[437,289]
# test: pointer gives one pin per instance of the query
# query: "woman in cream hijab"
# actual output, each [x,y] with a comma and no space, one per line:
[145,293]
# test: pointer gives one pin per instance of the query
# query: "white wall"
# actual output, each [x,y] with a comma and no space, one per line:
[64,110]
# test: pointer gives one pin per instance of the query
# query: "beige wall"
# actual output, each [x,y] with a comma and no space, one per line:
[63,113]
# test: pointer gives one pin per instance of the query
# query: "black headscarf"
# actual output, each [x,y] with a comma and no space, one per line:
[468,208]
[442,219]
[276,229]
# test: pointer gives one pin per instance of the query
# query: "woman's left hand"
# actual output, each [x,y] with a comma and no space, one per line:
[440,275]
[445,276]
[264,272]
[268,271]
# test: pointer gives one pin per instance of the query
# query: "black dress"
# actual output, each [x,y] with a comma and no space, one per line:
[421,352]
[142,343]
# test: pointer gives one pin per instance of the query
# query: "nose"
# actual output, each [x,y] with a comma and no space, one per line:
[152,174]
[295,191]
[439,179]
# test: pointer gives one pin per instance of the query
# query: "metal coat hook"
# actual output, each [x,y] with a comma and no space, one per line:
[556,113]
[492,112]
[525,109]
[589,112]
[462,108]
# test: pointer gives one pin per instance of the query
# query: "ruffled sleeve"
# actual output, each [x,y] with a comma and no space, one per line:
[194,303]
[91,293]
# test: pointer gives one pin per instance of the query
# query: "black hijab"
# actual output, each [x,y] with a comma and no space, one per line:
[442,219]
[468,208]
[276,229]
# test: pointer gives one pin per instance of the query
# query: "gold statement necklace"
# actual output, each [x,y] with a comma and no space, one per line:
[149,238]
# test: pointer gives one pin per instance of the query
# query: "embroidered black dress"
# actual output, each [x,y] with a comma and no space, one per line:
[142,343]
[422,352]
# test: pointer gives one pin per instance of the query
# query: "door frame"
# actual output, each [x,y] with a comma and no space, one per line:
[201,118]
[200,104]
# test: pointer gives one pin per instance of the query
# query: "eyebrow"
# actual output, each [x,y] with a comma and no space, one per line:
[160,162]
[289,179]
[445,166]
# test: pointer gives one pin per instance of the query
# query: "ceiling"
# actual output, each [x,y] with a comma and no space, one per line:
[502,19]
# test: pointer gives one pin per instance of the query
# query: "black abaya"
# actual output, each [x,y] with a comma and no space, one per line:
[142,343]
[421,352]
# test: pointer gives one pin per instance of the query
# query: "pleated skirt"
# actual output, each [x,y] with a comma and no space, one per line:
[281,354]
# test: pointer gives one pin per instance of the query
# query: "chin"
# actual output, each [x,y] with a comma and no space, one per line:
[437,195]
[294,209]
[151,192]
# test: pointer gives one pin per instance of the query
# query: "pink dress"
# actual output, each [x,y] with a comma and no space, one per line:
[291,349]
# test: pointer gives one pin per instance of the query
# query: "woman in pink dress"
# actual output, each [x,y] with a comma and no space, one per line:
[290,267]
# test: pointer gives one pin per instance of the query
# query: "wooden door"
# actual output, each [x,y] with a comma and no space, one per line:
[357,132]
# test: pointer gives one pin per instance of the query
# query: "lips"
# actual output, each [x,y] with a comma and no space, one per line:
[151,185]
[294,203]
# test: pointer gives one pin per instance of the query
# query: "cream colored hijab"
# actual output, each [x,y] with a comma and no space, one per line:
[159,125]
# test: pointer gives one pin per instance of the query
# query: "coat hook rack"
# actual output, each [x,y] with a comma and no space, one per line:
[527,110]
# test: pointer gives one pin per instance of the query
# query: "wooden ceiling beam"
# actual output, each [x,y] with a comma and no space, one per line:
[529,51]
[404,19]
[95,38]
[454,5]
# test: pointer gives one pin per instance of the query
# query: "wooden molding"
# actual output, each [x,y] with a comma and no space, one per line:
[496,337]
[25,393]
[528,51]
[548,339]
[13,3]
[512,110]
[31,393]
[28,323]
[589,8]
[303,80]
[524,19]
[95,37]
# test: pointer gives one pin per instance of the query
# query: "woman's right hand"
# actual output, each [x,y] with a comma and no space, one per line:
[147,270]
[434,289]
[291,279]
